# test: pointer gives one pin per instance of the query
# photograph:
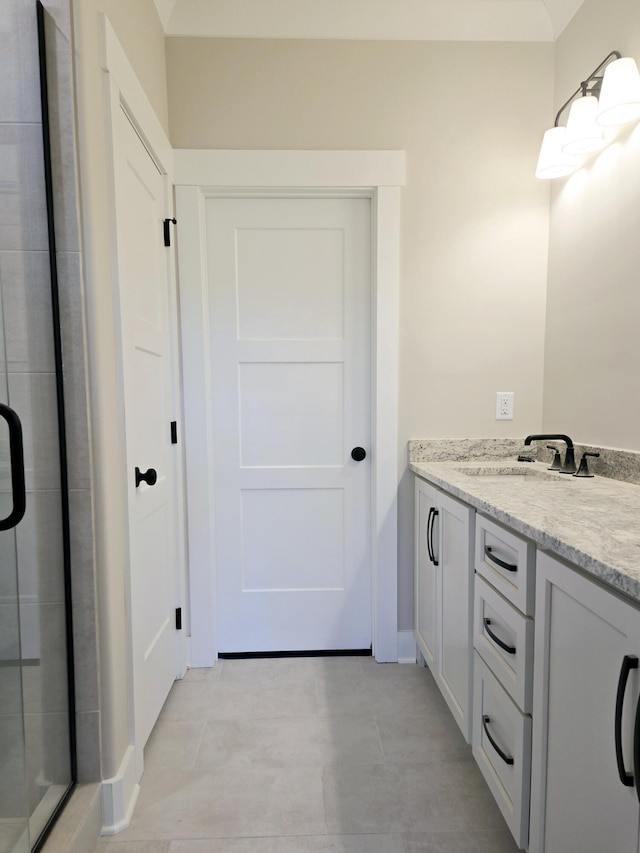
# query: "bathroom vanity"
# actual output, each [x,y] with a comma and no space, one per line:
[527,610]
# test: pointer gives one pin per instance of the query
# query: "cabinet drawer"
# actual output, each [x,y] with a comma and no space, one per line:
[507,561]
[503,637]
[502,749]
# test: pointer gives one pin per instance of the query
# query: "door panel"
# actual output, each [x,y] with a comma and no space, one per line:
[456,579]
[306,293]
[289,293]
[144,306]
[279,556]
[583,633]
[426,580]
[291,414]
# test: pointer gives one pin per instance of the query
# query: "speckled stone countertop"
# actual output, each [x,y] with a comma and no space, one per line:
[592,523]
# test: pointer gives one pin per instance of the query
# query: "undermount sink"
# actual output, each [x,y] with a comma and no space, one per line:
[514,472]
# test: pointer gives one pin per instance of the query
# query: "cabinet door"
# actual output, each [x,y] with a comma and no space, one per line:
[426,588]
[582,635]
[456,573]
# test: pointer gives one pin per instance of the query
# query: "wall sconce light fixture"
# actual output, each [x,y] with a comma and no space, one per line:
[610,96]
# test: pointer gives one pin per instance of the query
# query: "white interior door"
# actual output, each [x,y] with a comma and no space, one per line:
[289,295]
[144,306]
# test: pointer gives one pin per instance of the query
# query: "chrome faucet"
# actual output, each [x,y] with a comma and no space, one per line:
[569,466]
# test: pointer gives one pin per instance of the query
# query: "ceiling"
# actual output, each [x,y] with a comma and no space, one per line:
[413,20]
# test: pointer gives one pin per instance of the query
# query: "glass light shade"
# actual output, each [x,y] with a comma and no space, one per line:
[553,162]
[620,93]
[583,135]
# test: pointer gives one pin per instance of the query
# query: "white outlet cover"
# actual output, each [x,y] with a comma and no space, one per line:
[504,405]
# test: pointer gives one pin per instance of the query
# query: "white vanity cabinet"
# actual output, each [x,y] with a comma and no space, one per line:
[443,594]
[503,668]
[585,709]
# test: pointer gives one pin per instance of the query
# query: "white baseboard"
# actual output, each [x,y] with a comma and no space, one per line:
[407,650]
[119,795]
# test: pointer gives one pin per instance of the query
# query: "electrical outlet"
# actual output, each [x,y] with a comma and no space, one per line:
[504,405]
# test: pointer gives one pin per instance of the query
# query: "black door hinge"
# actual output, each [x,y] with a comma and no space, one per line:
[167,232]
[174,432]
[178,618]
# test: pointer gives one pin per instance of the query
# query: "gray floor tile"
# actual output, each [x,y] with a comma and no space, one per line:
[282,742]
[230,802]
[269,672]
[114,845]
[310,755]
[240,701]
[173,744]
[187,700]
[443,796]
[406,690]
[411,697]
[298,844]
[336,668]
[391,671]
[340,697]
[500,841]
[220,700]
[421,740]
[211,673]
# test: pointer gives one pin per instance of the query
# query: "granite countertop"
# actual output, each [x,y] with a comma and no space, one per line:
[593,523]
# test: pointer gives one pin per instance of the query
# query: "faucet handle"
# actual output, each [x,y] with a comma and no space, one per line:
[583,469]
[556,465]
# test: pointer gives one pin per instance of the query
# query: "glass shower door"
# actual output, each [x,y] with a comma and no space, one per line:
[36,688]
[35,694]
[13,787]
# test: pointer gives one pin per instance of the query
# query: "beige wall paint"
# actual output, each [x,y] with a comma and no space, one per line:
[138,28]
[592,359]
[140,32]
[475,221]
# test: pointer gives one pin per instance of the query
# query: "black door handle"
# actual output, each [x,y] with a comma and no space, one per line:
[429,549]
[431,520]
[636,751]
[149,477]
[509,649]
[508,566]
[16,455]
[629,662]
[503,755]
[358,454]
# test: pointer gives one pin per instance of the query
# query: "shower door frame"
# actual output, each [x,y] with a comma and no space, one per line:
[62,434]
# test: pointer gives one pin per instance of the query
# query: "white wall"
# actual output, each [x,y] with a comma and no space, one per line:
[475,221]
[592,359]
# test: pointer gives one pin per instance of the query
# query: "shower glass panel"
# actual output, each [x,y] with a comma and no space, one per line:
[36,705]
[13,786]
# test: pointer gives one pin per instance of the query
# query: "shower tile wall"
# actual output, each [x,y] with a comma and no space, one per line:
[73,327]
[24,275]
[72,310]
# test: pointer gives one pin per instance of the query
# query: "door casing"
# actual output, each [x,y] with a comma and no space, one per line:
[377,175]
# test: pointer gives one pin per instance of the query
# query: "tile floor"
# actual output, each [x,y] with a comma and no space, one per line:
[310,755]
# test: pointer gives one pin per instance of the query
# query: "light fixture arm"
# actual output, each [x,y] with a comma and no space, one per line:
[584,88]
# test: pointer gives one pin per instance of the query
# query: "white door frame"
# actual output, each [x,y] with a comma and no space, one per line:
[377,175]
[123,91]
